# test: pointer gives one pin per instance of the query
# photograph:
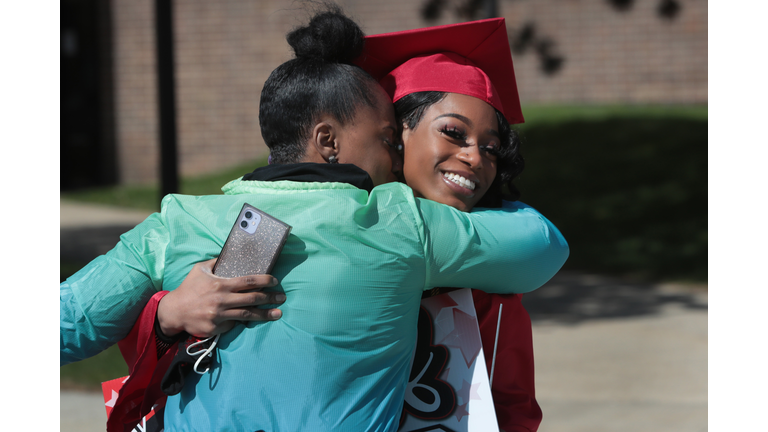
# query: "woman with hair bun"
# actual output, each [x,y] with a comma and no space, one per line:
[352,271]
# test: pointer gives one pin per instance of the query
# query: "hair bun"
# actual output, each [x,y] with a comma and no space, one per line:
[330,36]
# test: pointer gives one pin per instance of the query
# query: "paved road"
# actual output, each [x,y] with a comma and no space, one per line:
[611,356]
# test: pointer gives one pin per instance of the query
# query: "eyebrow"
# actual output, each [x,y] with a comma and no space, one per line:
[457,116]
[467,121]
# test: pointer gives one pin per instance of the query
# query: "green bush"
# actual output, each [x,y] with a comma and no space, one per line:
[626,186]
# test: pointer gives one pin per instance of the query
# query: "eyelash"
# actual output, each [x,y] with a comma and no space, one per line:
[494,151]
[456,133]
[453,132]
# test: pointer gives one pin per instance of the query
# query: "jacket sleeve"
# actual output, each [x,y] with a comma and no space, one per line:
[100,303]
[513,386]
[509,250]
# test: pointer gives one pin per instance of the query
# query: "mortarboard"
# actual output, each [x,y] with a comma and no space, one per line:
[471,58]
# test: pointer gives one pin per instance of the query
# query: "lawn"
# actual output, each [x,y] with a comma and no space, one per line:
[626,186]
[147,197]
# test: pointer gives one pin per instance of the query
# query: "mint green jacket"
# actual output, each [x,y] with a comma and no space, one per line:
[353,270]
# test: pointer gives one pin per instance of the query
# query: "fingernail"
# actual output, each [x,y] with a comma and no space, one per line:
[275,314]
[280,297]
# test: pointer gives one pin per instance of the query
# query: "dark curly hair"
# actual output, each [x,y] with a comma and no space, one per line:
[510,163]
[321,79]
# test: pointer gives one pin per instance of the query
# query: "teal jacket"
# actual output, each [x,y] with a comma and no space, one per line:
[353,270]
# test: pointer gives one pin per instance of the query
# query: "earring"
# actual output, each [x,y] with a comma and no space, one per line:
[333,159]
[400,148]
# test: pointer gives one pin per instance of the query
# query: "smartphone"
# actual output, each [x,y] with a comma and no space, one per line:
[253,244]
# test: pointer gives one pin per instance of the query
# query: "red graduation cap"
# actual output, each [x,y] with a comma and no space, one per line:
[471,58]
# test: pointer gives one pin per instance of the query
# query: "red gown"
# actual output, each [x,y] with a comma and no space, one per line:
[513,387]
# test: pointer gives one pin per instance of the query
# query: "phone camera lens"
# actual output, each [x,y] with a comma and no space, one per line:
[248,215]
[244,224]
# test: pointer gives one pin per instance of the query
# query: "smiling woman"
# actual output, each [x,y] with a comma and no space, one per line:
[455,95]
[451,155]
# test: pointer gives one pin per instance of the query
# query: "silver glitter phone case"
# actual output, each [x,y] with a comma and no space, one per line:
[253,245]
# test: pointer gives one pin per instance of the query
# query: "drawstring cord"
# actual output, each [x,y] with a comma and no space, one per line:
[205,352]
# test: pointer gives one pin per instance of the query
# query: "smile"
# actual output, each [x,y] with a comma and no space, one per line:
[459,180]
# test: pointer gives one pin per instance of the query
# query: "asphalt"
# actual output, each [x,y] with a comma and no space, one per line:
[611,355]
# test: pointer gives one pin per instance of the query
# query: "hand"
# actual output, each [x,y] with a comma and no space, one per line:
[205,305]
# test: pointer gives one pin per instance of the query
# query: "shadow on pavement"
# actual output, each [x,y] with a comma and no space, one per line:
[571,298]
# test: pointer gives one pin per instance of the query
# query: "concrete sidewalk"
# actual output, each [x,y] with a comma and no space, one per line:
[611,356]
[621,357]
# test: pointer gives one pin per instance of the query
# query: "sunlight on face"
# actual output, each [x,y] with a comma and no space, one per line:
[450,157]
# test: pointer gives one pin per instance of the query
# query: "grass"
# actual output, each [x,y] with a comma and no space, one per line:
[88,374]
[147,197]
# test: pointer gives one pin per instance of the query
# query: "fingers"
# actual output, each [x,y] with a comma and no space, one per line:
[208,304]
[229,318]
[237,283]
[245,283]
[252,314]
[257,298]
[253,282]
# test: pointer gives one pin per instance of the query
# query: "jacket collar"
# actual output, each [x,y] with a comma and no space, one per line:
[314,172]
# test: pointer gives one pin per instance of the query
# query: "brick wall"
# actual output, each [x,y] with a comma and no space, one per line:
[632,56]
[225,50]
[135,91]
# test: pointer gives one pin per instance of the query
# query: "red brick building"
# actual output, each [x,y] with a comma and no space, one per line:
[648,52]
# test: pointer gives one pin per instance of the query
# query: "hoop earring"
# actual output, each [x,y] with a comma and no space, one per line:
[333,159]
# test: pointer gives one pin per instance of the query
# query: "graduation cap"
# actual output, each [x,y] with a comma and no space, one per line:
[471,58]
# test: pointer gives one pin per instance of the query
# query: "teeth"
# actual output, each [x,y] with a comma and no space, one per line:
[459,180]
